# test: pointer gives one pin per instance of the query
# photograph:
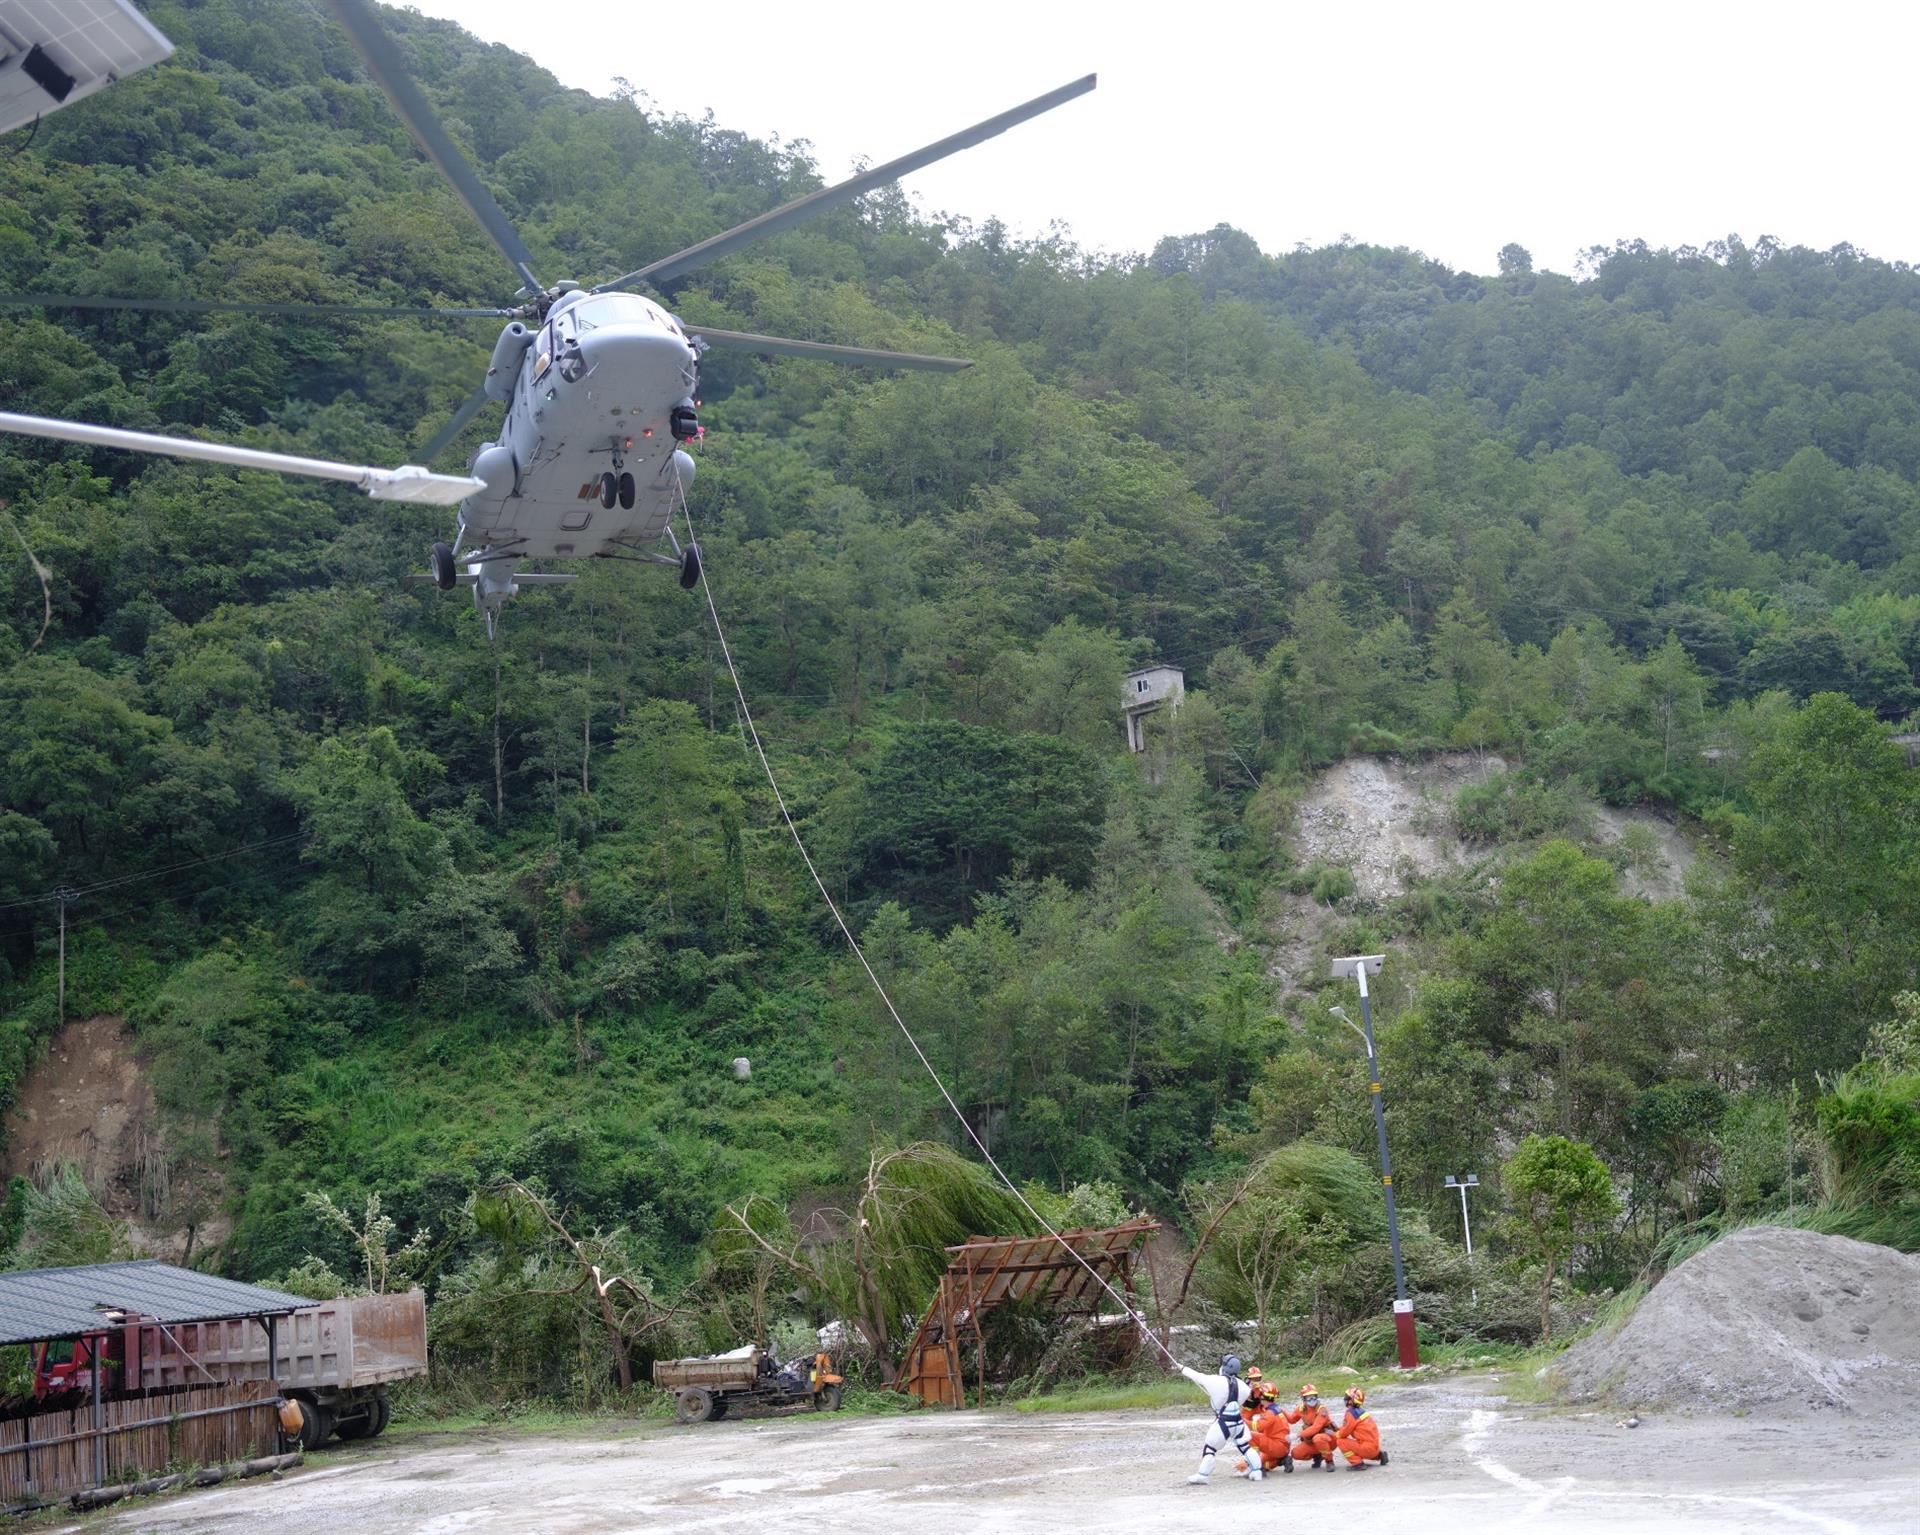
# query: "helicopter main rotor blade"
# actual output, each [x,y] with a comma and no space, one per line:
[469,407]
[224,306]
[407,483]
[383,63]
[859,356]
[816,203]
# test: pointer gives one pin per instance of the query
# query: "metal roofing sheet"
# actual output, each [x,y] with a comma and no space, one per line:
[62,1303]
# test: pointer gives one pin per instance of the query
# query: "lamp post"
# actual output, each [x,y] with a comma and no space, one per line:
[1471,1181]
[1360,966]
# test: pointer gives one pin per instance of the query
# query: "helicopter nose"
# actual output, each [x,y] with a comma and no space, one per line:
[647,349]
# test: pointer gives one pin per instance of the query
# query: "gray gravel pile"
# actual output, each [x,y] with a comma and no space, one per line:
[1765,1316]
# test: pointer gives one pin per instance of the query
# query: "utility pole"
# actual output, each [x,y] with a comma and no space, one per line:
[1471,1181]
[62,895]
[1360,966]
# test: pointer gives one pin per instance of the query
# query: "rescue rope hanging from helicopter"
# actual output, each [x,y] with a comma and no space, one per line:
[853,943]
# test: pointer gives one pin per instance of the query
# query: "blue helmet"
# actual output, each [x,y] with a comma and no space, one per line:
[1230,1365]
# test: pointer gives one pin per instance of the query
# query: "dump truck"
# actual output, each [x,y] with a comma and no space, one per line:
[336,1359]
[706,1387]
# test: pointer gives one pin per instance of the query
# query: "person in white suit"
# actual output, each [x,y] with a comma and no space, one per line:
[1226,1393]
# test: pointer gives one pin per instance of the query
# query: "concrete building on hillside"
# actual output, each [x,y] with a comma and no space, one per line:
[1148,689]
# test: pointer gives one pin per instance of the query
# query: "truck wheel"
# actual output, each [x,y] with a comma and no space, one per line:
[693,1405]
[827,1399]
[385,1408]
[364,1421]
[316,1424]
[719,1409]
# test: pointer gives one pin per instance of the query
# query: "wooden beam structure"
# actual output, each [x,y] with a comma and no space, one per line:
[986,1273]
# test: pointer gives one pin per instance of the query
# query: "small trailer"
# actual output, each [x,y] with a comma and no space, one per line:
[705,1388]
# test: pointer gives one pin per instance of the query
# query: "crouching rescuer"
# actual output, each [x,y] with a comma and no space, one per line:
[1227,1394]
[1315,1441]
[1359,1437]
[1268,1425]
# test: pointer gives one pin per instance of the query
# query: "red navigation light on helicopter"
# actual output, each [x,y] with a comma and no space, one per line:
[645,432]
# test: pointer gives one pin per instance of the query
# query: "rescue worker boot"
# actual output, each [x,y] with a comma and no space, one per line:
[1383,1457]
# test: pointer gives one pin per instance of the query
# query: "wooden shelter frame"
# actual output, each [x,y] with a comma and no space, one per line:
[986,1273]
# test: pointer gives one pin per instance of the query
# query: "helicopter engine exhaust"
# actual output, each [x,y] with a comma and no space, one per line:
[505,367]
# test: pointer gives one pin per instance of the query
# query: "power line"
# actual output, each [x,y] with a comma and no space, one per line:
[853,943]
[140,903]
[75,892]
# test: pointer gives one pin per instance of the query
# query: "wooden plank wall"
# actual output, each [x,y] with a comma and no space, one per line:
[52,1453]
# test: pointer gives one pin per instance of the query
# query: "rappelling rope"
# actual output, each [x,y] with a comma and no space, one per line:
[753,732]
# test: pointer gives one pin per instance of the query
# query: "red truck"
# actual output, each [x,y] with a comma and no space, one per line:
[336,1359]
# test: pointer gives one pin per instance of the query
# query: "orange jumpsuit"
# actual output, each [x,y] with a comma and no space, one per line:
[1359,1437]
[1316,1433]
[1269,1426]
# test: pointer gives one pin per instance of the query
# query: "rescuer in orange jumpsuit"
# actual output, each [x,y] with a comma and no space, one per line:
[1316,1428]
[1267,1426]
[1359,1436]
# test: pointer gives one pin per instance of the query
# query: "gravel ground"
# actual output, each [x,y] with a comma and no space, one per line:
[1464,1459]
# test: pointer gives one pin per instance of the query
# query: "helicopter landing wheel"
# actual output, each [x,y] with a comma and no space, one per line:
[442,558]
[690,566]
[626,492]
[609,490]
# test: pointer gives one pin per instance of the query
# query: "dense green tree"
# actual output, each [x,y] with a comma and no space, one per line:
[1833,888]
[1562,1195]
[969,805]
[1626,529]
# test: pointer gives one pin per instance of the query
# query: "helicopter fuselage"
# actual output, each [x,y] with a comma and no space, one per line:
[598,383]
[588,460]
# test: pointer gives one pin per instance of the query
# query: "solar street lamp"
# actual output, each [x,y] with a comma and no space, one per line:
[1360,966]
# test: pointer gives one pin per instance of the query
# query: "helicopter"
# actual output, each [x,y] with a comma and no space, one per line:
[600,384]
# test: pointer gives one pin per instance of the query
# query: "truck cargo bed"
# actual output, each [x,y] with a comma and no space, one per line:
[717,1372]
[345,1344]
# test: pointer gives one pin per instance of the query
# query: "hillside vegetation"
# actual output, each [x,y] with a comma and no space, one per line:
[397,911]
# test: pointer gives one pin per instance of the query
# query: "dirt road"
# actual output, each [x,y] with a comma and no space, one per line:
[1463,1460]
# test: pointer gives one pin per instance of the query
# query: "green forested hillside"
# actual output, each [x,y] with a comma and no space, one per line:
[397,910]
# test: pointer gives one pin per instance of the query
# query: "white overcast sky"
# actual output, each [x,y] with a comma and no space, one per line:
[1447,127]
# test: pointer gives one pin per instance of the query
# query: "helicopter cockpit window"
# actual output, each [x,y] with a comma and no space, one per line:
[613,309]
[566,342]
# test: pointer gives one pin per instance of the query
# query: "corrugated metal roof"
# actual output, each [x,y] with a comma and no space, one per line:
[62,1303]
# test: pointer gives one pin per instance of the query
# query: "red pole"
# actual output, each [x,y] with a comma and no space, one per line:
[1404,1335]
